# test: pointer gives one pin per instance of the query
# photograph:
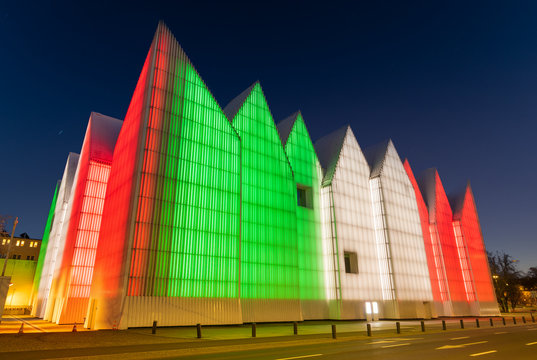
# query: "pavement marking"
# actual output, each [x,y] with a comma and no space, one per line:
[300,357]
[500,332]
[382,342]
[475,343]
[395,345]
[484,353]
[532,343]
[460,338]
[532,329]
[445,347]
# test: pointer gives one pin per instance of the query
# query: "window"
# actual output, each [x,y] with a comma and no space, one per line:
[28,257]
[351,262]
[32,257]
[304,196]
[4,241]
[22,243]
[18,257]
[14,257]
[18,243]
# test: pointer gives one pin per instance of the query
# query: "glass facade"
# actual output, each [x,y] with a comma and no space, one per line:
[199,214]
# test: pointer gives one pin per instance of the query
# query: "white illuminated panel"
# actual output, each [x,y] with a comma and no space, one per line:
[399,233]
[348,227]
[383,245]
[57,235]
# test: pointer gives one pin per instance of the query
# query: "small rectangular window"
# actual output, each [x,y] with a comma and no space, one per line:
[28,257]
[22,243]
[18,243]
[351,262]
[32,257]
[304,196]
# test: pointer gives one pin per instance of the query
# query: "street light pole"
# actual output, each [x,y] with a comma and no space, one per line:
[10,245]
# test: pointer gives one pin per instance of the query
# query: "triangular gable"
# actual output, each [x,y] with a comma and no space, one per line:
[286,125]
[104,131]
[233,107]
[328,149]
[375,156]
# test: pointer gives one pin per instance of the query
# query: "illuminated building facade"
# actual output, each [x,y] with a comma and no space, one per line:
[220,216]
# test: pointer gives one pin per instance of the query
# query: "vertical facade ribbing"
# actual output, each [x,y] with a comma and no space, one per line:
[204,220]
[348,227]
[398,223]
[269,263]
[181,240]
[466,223]
[56,242]
[434,259]
[44,244]
[308,175]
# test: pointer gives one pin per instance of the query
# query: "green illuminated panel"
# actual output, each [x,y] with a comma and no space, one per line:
[44,242]
[269,265]
[187,232]
[308,174]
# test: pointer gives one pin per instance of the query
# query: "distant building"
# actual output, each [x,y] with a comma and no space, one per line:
[23,248]
[21,268]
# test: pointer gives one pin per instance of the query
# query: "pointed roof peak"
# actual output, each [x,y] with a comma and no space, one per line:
[286,126]
[375,156]
[328,149]
[233,107]
[103,134]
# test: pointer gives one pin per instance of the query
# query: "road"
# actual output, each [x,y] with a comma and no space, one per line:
[516,343]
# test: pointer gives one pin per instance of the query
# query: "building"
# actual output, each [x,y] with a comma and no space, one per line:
[23,248]
[21,267]
[211,215]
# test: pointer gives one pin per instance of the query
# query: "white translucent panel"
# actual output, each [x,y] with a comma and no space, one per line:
[348,227]
[383,244]
[57,234]
[403,230]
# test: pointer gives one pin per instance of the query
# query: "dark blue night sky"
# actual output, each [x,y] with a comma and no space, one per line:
[454,84]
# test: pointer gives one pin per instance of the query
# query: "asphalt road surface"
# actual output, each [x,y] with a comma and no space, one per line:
[513,343]
[517,342]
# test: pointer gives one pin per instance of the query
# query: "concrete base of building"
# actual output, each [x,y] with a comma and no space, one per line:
[271,310]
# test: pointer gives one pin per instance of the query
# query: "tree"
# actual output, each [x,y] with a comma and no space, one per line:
[507,280]
[529,280]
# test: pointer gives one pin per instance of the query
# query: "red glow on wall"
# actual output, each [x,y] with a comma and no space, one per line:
[468,222]
[87,235]
[432,250]
[112,251]
[450,251]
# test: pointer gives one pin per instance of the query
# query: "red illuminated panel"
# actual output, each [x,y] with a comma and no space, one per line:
[111,252]
[432,250]
[468,222]
[450,250]
[146,236]
[463,259]
[87,235]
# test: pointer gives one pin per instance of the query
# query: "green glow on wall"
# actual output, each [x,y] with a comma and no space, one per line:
[269,264]
[44,242]
[308,173]
[189,206]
